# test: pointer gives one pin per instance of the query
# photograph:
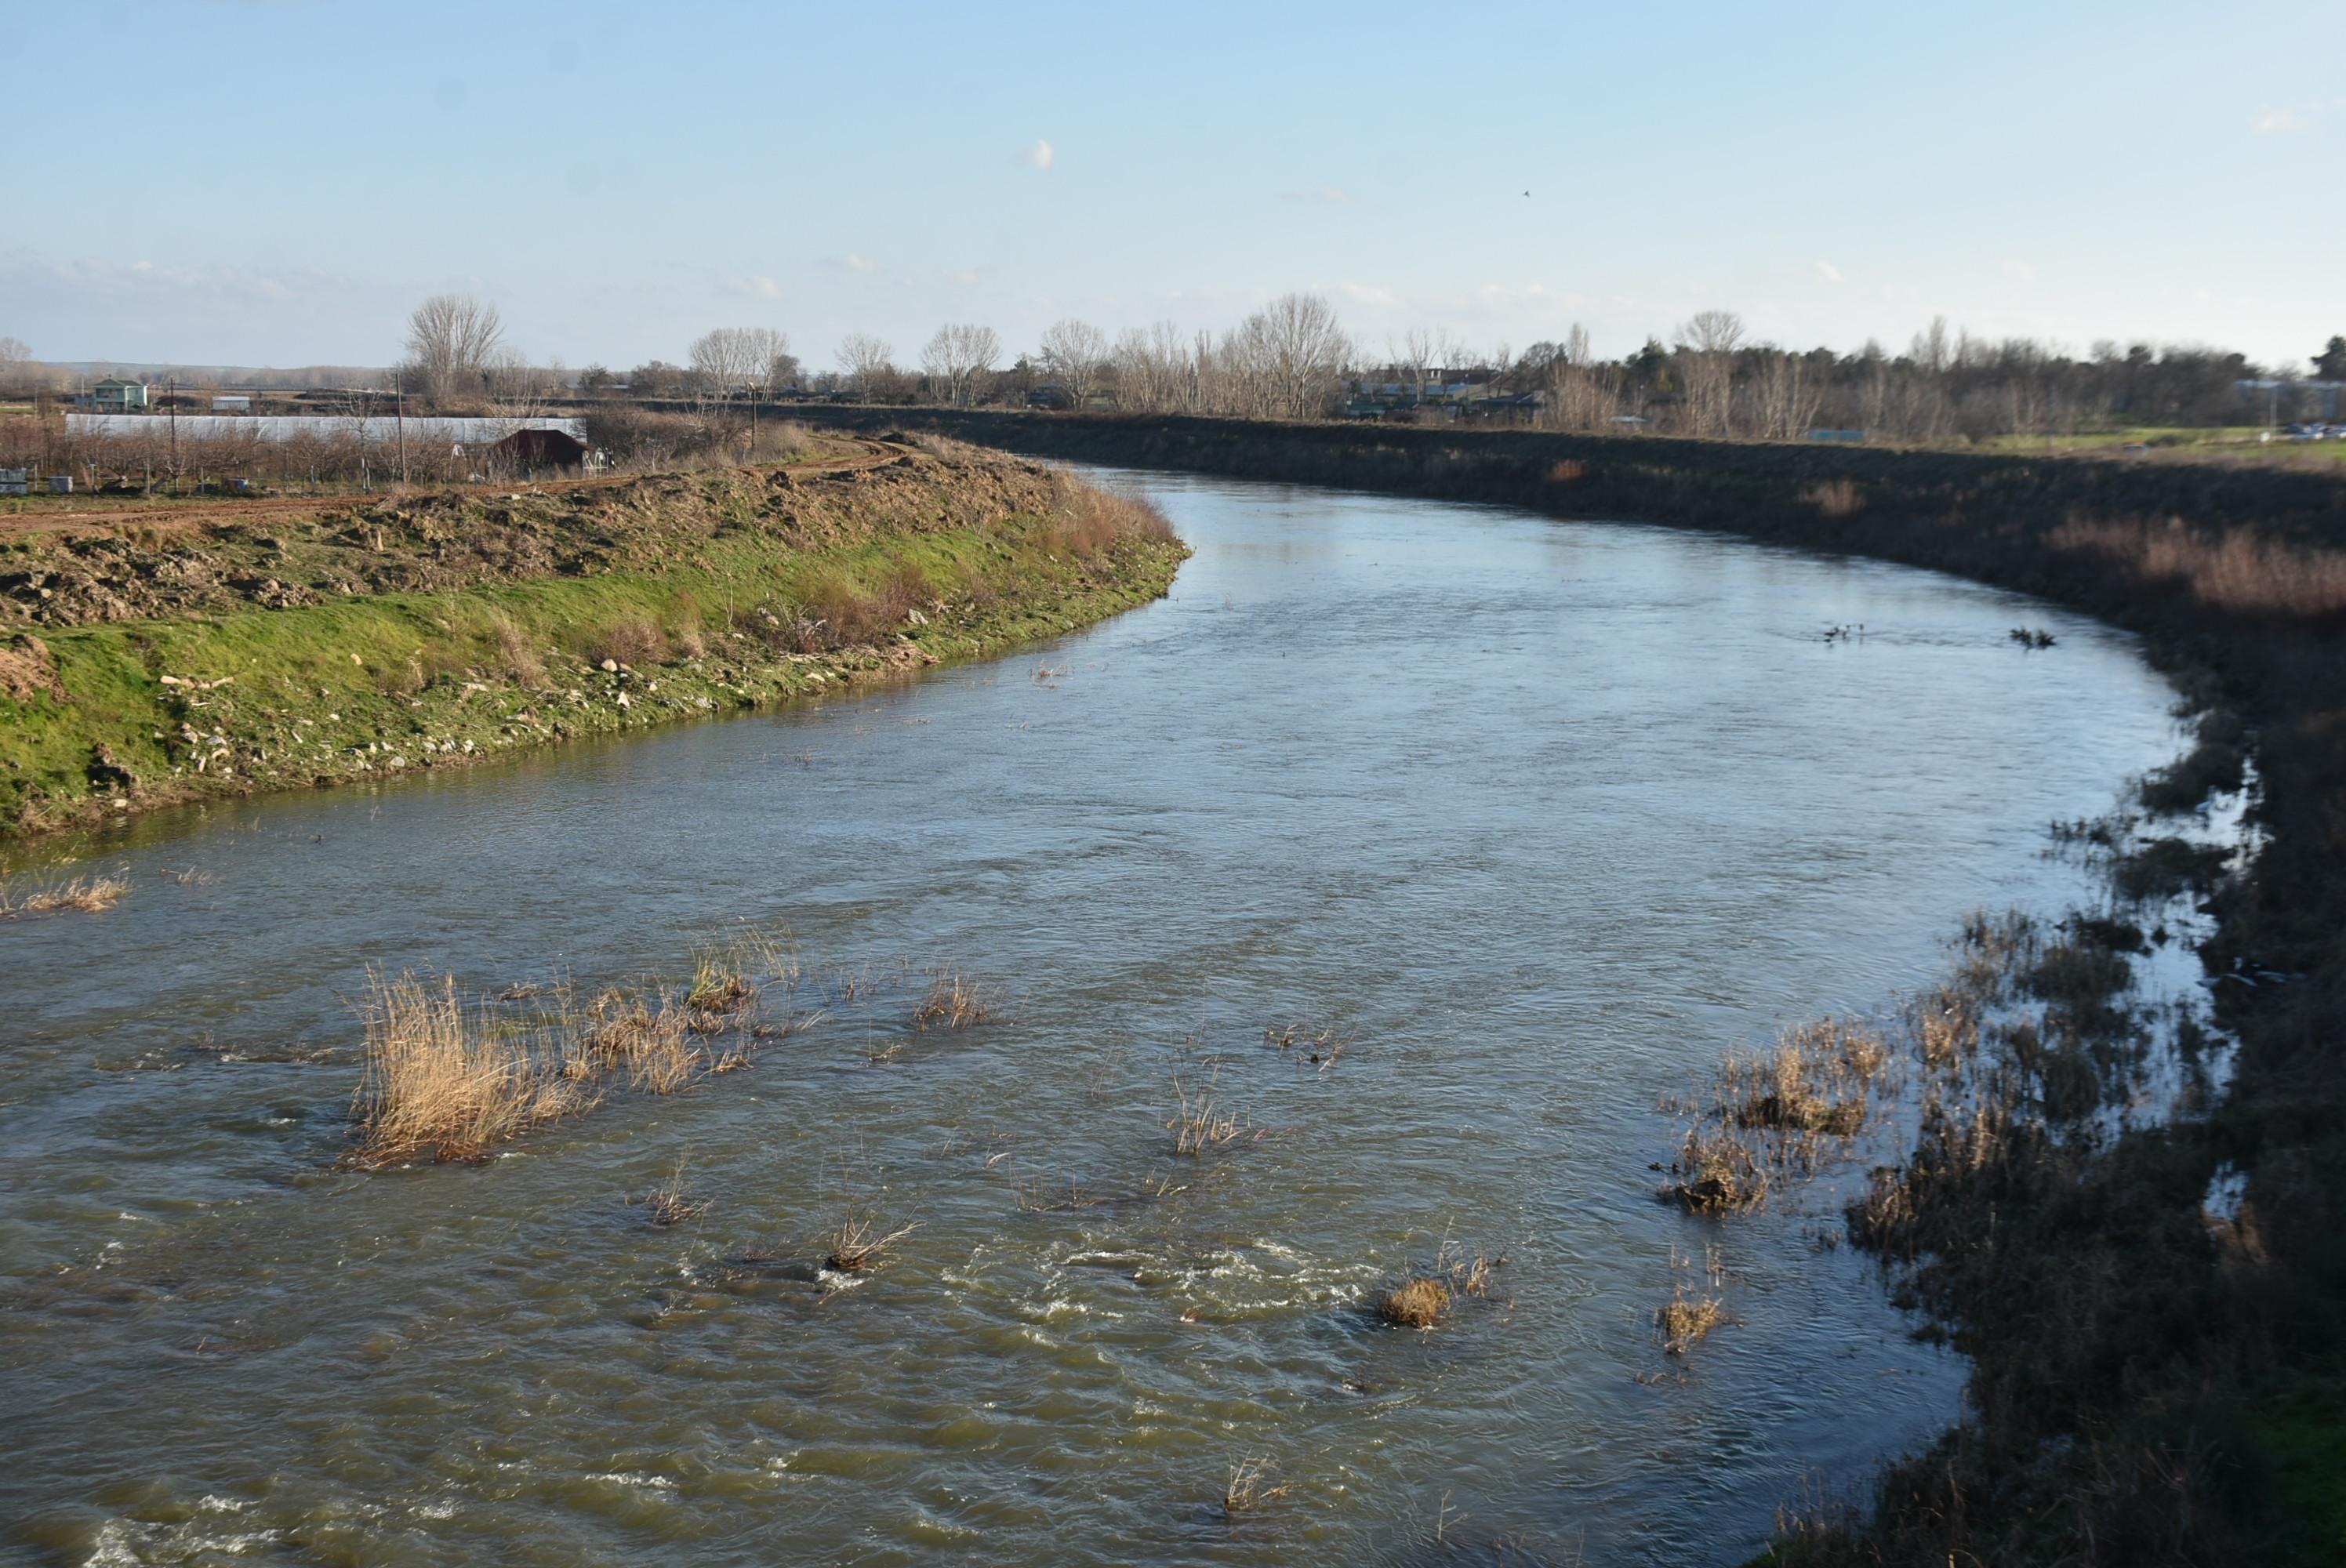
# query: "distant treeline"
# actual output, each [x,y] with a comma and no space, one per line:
[1294,360]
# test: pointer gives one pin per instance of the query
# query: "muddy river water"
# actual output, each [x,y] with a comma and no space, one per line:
[1538,816]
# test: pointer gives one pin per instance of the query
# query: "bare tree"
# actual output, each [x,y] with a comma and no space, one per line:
[865,362]
[1074,354]
[957,356]
[451,340]
[1706,345]
[1287,357]
[730,360]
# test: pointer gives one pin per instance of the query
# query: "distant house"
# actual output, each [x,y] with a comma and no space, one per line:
[231,402]
[115,395]
[539,447]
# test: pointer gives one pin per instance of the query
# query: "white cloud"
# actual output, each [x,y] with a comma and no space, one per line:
[1040,154]
[756,288]
[2020,270]
[1333,195]
[2278,121]
[1369,295]
[1829,272]
[854,263]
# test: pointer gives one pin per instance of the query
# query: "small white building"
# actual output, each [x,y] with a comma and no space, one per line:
[231,402]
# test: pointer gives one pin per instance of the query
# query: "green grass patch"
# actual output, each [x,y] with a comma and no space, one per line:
[385,684]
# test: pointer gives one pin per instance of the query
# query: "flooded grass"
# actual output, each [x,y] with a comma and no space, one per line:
[954,1001]
[670,1203]
[88,894]
[1202,1124]
[1778,1113]
[446,1082]
[861,1243]
[1249,1487]
[1425,1297]
[1684,1320]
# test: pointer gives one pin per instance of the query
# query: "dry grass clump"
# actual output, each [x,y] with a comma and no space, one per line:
[1720,1169]
[1087,520]
[721,984]
[1771,1112]
[861,1244]
[1200,1124]
[1815,1080]
[1945,1025]
[450,1085]
[1425,1297]
[1835,497]
[1416,1303]
[514,650]
[1684,1320]
[2165,867]
[86,893]
[1250,1486]
[629,641]
[671,1204]
[954,1001]
[2078,973]
[650,1040]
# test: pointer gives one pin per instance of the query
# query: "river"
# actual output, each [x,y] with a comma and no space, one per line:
[1540,817]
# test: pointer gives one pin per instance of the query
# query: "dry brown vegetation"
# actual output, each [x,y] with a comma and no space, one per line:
[1424,1297]
[444,1081]
[1686,1320]
[861,1243]
[671,1204]
[1416,1303]
[86,893]
[1089,519]
[1250,1486]
[954,1001]
[1779,1113]
[448,1082]
[1320,1047]
[1201,1124]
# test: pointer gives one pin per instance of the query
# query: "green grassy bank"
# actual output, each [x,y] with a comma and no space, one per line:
[728,594]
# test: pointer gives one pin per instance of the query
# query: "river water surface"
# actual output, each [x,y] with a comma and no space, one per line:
[1540,816]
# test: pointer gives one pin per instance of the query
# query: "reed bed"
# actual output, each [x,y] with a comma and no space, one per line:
[88,894]
[447,1083]
[1779,1113]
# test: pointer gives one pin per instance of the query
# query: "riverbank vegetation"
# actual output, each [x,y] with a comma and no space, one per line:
[2128,1400]
[87,893]
[165,659]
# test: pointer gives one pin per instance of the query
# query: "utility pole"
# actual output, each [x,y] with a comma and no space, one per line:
[171,401]
[398,412]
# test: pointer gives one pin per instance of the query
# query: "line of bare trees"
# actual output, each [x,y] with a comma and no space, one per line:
[1292,359]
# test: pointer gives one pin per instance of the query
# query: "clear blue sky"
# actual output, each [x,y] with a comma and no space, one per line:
[279,183]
